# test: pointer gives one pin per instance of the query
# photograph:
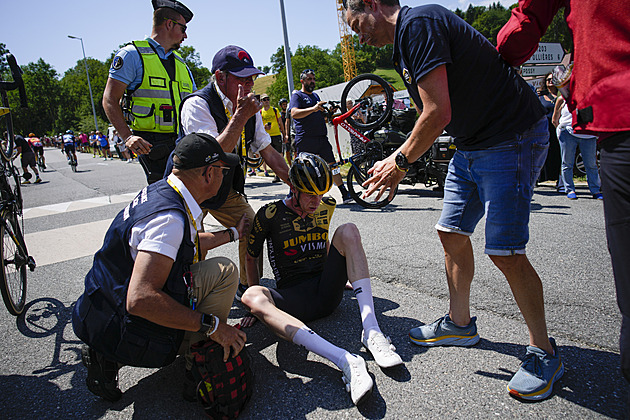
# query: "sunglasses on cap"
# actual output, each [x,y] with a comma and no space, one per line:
[307,72]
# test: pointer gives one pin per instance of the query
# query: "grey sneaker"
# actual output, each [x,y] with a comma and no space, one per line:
[539,371]
[445,332]
[357,379]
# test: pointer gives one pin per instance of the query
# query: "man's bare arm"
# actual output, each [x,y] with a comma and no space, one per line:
[114,90]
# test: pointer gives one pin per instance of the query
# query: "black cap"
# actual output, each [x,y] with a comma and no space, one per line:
[175,5]
[199,149]
[235,60]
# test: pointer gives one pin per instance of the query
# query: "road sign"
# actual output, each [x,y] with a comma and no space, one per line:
[547,52]
[532,71]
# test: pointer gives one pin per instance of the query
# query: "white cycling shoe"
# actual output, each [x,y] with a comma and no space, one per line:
[357,379]
[382,349]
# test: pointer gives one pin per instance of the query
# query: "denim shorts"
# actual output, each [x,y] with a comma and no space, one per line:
[497,182]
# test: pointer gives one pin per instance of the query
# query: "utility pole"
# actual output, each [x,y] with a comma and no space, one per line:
[88,78]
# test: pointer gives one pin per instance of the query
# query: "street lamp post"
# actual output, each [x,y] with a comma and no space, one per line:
[88,78]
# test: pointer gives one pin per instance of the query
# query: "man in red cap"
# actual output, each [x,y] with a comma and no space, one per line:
[152,79]
[228,110]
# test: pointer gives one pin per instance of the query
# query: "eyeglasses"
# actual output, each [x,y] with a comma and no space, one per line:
[265,99]
[224,169]
[550,79]
[184,27]
[243,80]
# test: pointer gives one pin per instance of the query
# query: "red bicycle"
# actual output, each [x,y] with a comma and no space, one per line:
[380,130]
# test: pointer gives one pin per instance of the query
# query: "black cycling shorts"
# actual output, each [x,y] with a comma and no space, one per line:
[38,150]
[69,148]
[318,296]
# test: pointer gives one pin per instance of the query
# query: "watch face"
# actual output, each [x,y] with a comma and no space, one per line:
[401,161]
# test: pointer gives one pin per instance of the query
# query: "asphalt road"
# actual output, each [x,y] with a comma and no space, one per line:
[41,375]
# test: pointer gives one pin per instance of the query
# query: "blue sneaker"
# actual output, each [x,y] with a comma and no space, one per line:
[572,195]
[598,196]
[539,371]
[445,332]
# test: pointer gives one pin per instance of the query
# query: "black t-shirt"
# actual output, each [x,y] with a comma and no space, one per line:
[490,102]
[26,146]
[296,245]
[313,125]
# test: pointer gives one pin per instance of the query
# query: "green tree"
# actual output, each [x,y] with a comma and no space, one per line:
[200,74]
[43,92]
[558,31]
[491,21]
[76,94]
[328,69]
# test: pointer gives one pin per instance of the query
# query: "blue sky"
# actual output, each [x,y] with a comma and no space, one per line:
[39,28]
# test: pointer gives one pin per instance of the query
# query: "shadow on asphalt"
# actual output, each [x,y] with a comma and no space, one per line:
[289,382]
[592,378]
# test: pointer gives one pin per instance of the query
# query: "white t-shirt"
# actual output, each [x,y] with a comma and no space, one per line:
[196,118]
[163,232]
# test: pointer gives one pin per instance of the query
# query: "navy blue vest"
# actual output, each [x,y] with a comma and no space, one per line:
[235,179]
[100,318]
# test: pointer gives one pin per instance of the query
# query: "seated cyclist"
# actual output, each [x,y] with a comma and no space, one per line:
[38,147]
[311,273]
[69,146]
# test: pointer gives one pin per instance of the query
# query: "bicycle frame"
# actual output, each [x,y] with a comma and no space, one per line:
[340,120]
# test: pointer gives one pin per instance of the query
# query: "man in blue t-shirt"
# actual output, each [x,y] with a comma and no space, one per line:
[464,87]
[311,134]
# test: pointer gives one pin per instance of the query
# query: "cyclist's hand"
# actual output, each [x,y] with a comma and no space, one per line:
[247,104]
[138,145]
[248,320]
[243,226]
[230,338]
[384,175]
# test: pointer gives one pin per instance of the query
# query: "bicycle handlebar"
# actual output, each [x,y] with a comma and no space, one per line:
[17,83]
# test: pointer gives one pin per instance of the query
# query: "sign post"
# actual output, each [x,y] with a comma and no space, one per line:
[547,52]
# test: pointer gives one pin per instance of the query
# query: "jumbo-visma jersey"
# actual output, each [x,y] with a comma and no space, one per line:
[296,245]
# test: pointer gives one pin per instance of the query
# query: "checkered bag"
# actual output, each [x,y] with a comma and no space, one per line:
[223,388]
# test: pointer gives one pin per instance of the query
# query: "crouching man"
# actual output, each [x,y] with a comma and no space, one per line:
[150,292]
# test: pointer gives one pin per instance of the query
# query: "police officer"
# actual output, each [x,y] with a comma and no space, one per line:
[151,78]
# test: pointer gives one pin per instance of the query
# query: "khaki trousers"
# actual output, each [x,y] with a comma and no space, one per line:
[215,281]
[228,215]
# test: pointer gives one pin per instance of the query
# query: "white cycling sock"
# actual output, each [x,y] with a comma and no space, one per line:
[363,292]
[312,342]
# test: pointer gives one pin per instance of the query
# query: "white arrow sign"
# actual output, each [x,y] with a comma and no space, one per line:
[547,52]
[532,71]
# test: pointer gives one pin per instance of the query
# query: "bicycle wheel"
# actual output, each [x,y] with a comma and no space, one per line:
[6,125]
[14,193]
[13,281]
[376,97]
[357,176]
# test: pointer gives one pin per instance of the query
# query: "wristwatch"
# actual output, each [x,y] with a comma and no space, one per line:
[401,162]
[209,324]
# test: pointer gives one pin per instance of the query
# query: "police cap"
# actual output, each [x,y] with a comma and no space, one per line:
[175,5]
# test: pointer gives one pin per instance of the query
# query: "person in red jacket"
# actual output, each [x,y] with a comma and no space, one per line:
[599,100]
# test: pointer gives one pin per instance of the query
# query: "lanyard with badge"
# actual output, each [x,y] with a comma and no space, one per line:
[188,278]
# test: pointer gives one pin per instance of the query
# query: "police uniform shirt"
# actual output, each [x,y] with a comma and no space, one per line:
[127,64]
[196,118]
[163,233]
